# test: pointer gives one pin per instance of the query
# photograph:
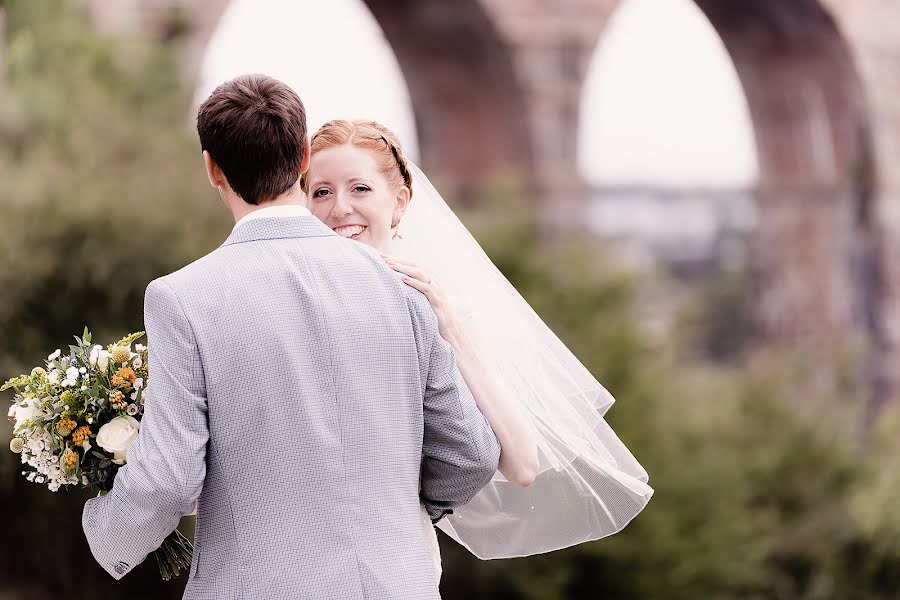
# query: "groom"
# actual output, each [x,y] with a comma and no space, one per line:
[299,393]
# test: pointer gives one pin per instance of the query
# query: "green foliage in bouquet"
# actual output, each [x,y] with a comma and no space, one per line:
[93,393]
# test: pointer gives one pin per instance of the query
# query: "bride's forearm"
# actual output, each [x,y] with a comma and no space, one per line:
[518,454]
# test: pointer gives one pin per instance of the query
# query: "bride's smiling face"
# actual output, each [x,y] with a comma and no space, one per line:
[349,193]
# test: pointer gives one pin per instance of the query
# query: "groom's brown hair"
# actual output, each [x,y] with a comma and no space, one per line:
[254,127]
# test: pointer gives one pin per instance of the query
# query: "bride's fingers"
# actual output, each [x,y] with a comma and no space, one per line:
[412,271]
[419,285]
[389,258]
[431,293]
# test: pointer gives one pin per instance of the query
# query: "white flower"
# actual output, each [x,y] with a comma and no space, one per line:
[137,362]
[103,360]
[133,395]
[54,356]
[117,436]
[95,354]
[90,420]
[53,377]
[71,377]
[26,412]
[12,411]
[82,370]
[140,347]
[138,383]
[132,410]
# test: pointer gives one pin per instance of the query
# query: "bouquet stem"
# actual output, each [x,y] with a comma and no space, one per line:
[174,555]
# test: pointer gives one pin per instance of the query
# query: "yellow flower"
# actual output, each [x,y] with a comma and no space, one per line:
[71,458]
[120,354]
[65,426]
[16,445]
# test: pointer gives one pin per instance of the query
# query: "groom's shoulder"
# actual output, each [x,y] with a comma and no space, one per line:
[196,272]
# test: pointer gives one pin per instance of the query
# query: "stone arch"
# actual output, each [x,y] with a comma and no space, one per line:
[810,251]
[496,84]
[468,105]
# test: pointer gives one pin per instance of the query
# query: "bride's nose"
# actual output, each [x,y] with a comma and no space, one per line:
[341,207]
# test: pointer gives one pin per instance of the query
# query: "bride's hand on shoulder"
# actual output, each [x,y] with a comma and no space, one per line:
[418,278]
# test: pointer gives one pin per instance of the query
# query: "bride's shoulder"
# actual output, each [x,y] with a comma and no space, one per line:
[402,248]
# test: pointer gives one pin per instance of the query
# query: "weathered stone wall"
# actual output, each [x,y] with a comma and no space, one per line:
[497,84]
[872,31]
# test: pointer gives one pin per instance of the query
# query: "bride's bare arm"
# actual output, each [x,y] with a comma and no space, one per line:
[518,454]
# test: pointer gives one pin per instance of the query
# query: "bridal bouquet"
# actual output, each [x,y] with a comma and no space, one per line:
[76,417]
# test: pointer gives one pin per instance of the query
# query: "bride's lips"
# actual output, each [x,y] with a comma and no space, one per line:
[350,231]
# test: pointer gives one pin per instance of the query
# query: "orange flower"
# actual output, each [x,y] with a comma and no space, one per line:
[81,435]
[71,458]
[125,374]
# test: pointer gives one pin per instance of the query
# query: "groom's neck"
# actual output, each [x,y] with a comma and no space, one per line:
[291,197]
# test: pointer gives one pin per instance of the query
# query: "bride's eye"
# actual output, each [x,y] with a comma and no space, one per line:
[320,192]
[361,188]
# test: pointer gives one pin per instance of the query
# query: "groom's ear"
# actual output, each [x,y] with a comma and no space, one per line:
[214,171]
[304,164]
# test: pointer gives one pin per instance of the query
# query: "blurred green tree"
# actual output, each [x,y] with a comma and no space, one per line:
[102,190]
[761,492]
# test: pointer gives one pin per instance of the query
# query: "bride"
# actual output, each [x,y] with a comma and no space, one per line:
[564,477]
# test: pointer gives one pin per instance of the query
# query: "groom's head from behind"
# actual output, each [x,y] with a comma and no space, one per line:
[253,135]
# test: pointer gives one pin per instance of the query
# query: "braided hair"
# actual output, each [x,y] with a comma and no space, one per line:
[370,135]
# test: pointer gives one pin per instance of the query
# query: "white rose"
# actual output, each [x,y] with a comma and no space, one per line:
[71,377]
[140,347]
[54,356]
[117,436]
[53,377]
[95,354]
[102,360]
[24,413]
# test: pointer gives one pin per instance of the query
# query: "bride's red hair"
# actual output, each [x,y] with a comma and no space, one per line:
[369,135]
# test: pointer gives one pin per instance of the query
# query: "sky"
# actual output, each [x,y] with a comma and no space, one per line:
[662,103]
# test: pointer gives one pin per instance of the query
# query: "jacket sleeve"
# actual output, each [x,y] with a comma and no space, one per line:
[167,462]
[460,452]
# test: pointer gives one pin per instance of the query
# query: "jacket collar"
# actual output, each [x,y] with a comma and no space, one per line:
[271,228]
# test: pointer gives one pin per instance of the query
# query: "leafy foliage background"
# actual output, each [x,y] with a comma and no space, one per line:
[763,489]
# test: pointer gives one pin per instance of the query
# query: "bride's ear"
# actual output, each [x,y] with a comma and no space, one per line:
[402,201]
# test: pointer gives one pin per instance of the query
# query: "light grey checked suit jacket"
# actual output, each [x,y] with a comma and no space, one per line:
[301,391]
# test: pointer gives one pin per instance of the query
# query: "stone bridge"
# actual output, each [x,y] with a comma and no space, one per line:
[496,87]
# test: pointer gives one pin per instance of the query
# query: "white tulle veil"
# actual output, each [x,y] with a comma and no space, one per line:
[589,485]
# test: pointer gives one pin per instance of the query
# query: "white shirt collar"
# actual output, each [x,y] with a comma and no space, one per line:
[282,210]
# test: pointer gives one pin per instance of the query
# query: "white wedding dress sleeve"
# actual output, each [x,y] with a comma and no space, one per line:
[589,485]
